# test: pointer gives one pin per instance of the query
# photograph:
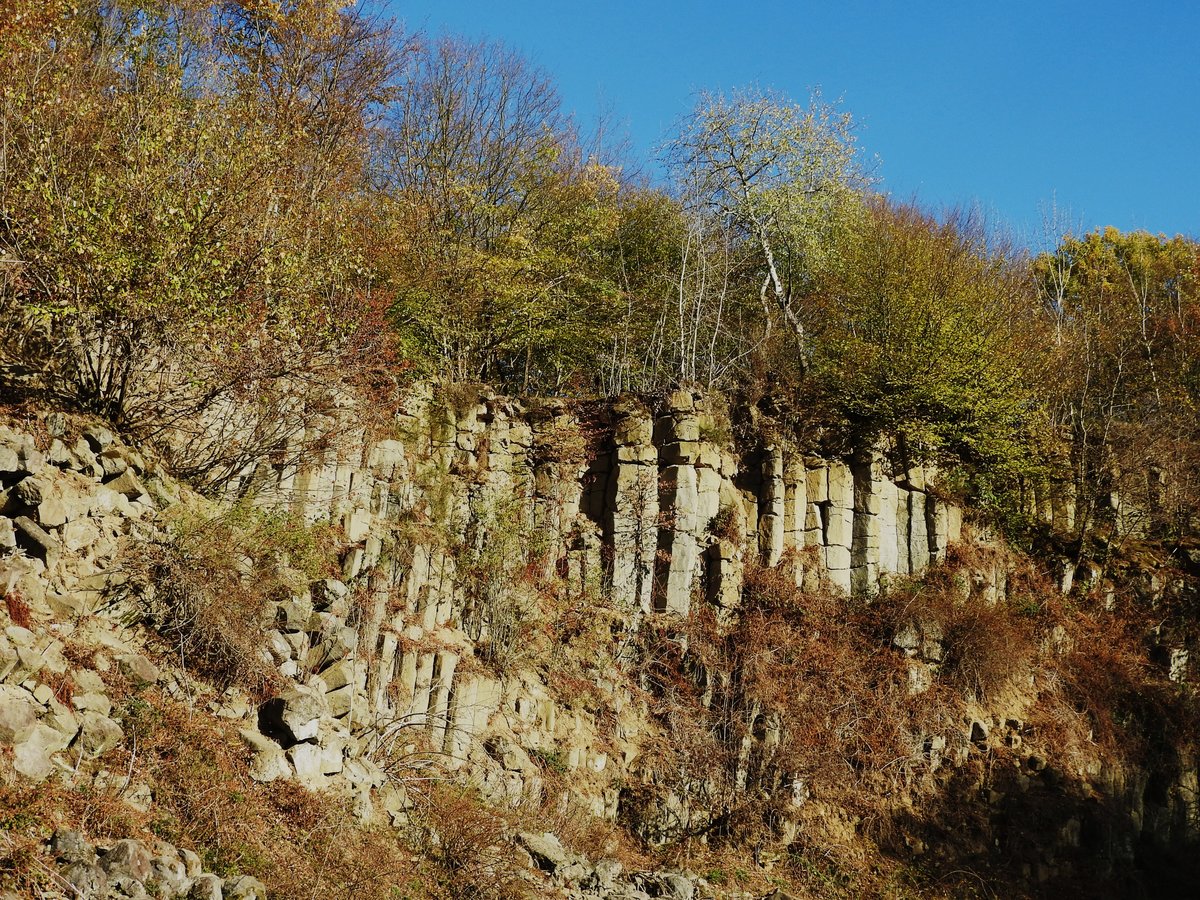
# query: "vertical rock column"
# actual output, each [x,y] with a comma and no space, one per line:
[915,527]
[632,520]
[816,511]
[771,506]
[903,517]
[559,452]
[937,515]
[795,510]
[474,700]
[1063,503]
[869,496]
[678,432]
[918,533]
[314,486]
[889,528]
[839,525]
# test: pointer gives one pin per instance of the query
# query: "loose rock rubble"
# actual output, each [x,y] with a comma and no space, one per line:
[134,870]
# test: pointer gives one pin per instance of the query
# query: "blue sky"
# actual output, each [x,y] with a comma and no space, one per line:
[1004,105]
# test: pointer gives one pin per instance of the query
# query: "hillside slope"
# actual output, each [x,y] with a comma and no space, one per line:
[627,649]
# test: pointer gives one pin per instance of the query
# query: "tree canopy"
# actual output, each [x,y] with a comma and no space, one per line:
[269,205]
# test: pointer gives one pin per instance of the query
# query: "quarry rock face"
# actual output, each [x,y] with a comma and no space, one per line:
[414,648]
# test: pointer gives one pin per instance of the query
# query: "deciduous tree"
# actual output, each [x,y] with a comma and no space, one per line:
[781,173]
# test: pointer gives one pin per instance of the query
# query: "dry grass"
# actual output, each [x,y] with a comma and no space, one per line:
[299,844]
[18,610]
[810,689]
[208,587]
[470,844]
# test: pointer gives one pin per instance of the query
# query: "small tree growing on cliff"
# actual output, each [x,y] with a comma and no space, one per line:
[783,174]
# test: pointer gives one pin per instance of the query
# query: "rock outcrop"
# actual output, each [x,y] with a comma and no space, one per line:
[456,527]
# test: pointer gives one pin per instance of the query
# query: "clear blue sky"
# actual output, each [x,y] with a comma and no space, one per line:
[1006,105]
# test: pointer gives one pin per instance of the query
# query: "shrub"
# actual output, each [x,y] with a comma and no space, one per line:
[208,295]
[470,842]
[208,586]
[725,523]
[552,760]
[561,441]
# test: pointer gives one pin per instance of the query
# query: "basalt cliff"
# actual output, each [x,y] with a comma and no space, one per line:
[631,648]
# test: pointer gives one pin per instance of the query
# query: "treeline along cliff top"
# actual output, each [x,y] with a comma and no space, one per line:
[201,202]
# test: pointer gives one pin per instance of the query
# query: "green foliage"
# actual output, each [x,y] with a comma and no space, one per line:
[284,535]
[179,246]
[219,220]
[784,175]
[552,759]
[924,337]
[1123,371]
[499,220]
[208,587]
[501,548]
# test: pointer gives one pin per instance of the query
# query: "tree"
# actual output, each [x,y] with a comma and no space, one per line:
[926,337]
[182,254]
[782,174]
[1124,379]
[501,221]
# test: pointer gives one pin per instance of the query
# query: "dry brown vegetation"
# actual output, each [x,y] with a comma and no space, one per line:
[204,800]
[208,586]
[806,697]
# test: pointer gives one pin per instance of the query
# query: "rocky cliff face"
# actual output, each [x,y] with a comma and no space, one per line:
[651,509]
[499,562]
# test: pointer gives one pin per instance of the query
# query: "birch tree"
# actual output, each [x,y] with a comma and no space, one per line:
[782,174]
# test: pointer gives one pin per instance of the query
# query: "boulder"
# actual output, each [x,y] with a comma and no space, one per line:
[205,887]
[55,512]
[191,862]
[127,485]
[270,764]
[19,713]
[138,669]
[84,459]
[294,614]
[98,437]
[344,672]
[129,858]
[341,701]
[72,605]
[293,716]
[98,734]
[33,755]
[364,773]
[37,541]
[32,491]
[330,595]
[8,534]
[78,535]
[92,702]
[71,846]
[605,875]
[8,657]
[547,851]
[88,879]
[245,887]
[306,759]
[168,876]
[125,887]
[112,461]
[62,719]
[670,885]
